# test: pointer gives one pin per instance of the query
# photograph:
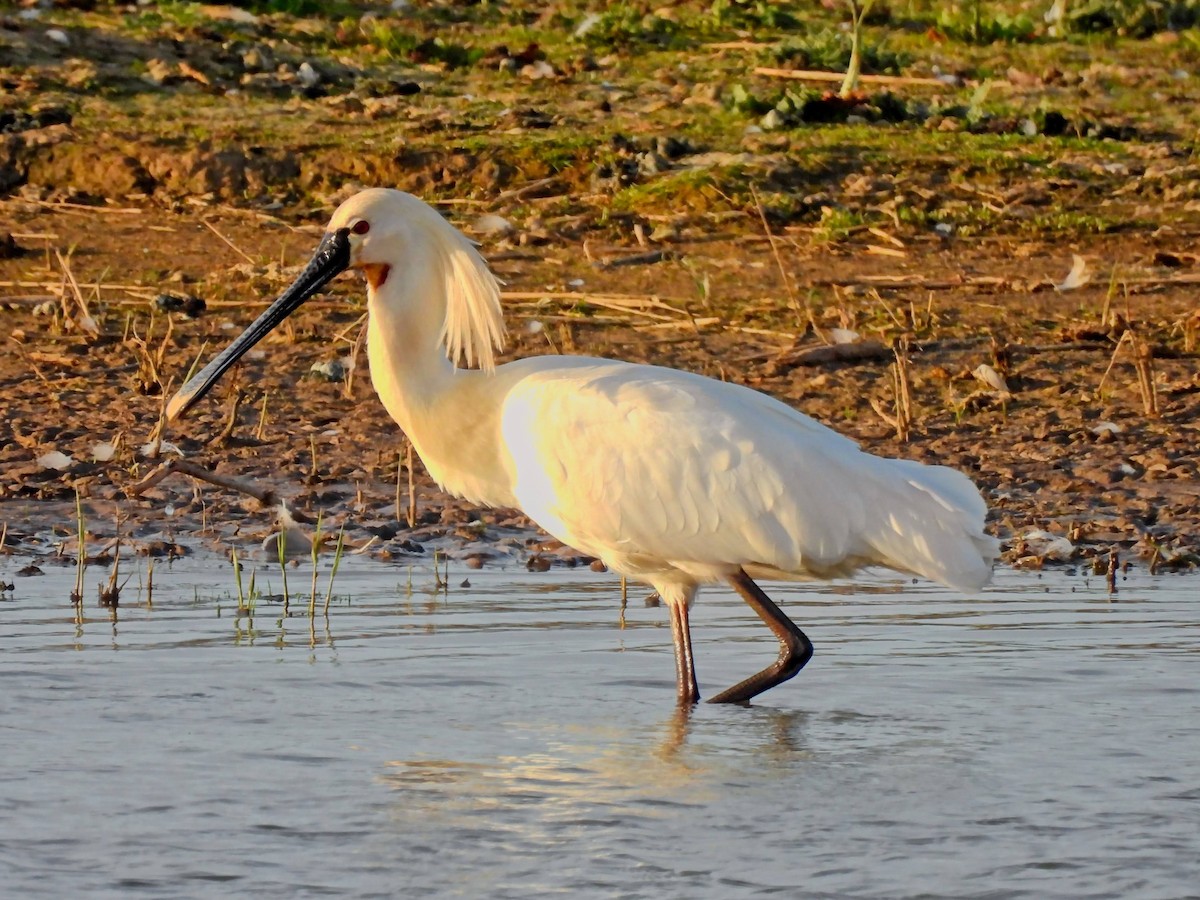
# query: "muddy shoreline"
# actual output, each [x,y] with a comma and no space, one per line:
[1023,231]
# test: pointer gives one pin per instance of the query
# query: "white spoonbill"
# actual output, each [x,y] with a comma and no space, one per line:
[670,478]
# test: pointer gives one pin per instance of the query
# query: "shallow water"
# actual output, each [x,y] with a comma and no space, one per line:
[508,739]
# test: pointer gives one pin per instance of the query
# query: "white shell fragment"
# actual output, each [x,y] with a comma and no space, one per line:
[1049,546]
[1077,277]
[165,447]
[844,336]
[56,460]
[490,223]
[991,378]
[103,452]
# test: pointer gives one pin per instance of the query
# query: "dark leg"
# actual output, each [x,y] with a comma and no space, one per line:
[794,648]
[685,667]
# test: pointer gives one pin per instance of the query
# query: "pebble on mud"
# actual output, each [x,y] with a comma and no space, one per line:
[333,371]
[191,306]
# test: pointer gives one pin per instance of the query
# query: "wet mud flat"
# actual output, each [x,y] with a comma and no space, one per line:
[1073,464]
[987,262]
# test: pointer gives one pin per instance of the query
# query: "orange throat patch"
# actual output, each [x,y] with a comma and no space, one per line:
[377,274]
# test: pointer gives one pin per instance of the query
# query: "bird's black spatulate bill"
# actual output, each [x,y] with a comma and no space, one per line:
[331,257]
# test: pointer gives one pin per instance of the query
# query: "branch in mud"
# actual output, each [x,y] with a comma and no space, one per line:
[266,496]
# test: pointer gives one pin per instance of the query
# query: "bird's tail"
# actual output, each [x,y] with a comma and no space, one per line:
[932,524]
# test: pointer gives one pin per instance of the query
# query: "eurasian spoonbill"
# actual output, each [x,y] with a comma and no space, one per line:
[670,478]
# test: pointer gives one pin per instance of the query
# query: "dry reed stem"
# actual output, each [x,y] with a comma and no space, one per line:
[1143,363]
[265,496]
[1126,336]
[262,419]
[399,470]
[901,417]
[412,488]
[234,247]
[793,301]
[834,77]
[231,420]
[110,594]
[85,322]
[359,343]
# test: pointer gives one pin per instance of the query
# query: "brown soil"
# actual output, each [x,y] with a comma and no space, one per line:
[1043,455]
[1094,441]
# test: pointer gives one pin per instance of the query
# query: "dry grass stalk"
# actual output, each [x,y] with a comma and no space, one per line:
[222,439]
[1191,326]
[110,593]
[359,343]
[1143,363]
[399,469]
[80,554]
[412,488]
[1126,336]
[793,301]
[236,249]
[262,419]
[901,417]
[84,320]
[834,77]
[150,362]
[622,303]
[156,436]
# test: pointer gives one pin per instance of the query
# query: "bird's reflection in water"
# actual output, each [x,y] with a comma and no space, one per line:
[585,772]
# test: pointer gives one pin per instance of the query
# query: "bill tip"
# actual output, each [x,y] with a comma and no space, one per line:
[178,405]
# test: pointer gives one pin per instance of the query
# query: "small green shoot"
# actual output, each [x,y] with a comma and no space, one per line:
[281,544]
[237,572]
[316,552]
[337,559]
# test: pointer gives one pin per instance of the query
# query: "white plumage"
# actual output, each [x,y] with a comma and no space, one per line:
[668,477]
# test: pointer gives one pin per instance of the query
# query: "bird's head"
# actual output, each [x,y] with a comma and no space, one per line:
[375,230]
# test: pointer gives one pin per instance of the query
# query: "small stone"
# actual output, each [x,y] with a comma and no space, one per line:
[334,370]
[308,75]
[187,304]
[159,71]
[772,121]
[295,543]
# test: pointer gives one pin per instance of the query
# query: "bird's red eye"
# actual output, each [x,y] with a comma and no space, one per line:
[362,226]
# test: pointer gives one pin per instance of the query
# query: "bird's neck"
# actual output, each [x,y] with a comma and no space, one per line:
[449,414]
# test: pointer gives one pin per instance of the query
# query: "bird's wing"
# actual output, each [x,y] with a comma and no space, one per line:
[647,467]
[653,462]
